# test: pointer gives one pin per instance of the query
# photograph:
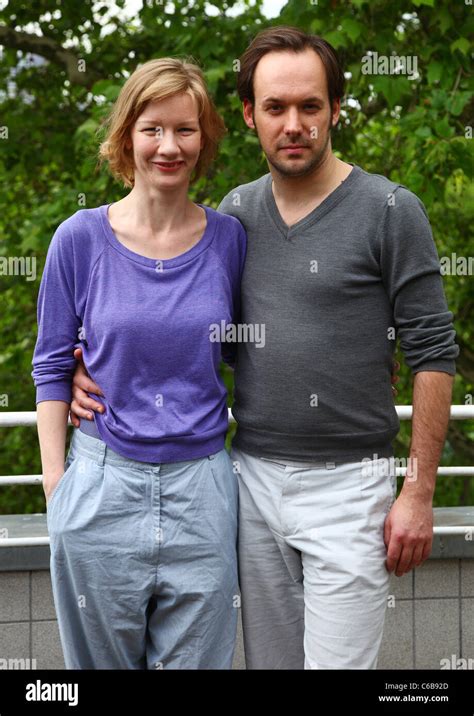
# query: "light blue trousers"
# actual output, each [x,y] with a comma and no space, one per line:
[143,560]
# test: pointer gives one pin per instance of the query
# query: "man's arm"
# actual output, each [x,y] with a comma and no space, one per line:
[409,526]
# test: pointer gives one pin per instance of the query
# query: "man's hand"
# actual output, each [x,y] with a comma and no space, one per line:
[81,385]
[408,533]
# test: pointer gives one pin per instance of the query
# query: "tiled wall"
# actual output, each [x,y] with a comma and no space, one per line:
[432,618]
[28,627]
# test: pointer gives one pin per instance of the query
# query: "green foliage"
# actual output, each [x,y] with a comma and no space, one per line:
[413,130]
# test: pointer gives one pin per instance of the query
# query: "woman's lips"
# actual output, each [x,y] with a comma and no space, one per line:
[168,166]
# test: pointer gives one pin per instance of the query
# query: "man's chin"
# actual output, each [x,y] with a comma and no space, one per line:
[293,168]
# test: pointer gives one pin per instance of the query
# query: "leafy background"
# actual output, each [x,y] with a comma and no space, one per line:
[415,131]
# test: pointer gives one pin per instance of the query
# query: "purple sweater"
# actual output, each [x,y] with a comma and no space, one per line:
[144,327]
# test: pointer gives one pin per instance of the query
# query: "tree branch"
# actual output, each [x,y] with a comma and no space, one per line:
[50,50]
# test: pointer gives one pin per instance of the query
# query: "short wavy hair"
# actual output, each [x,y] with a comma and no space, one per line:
[155,80]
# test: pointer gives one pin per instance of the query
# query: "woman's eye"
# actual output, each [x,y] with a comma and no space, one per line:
[186,129]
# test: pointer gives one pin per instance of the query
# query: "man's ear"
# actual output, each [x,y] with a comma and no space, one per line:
[247,110]
[336,111]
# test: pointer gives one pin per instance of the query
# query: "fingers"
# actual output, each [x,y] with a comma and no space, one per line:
[84,384]
[405,562]
[393,554]
[80,411]
[403,558]
[78,355]
[418,555]
[81,397]
[427,549]
[74,419]
[396,366]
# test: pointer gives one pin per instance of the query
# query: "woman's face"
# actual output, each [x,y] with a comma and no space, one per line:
[167,141]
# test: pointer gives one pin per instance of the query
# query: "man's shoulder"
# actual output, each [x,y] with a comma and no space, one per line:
[380,189]
[241,196]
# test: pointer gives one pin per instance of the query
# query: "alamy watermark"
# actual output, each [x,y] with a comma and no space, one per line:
[18,266]
[237,333]
[375,64]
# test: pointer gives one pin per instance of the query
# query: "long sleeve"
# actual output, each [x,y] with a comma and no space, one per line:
[58,324]
[411,275]
[229,349]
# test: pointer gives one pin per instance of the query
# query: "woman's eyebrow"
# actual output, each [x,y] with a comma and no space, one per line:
[157,122]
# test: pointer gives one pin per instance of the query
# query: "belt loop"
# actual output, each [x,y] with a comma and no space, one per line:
[102,451]
[330,466]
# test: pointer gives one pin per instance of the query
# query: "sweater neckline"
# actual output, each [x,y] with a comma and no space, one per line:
[165,264]
[318,212]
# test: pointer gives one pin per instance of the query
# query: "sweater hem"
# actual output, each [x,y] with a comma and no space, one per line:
[315,448]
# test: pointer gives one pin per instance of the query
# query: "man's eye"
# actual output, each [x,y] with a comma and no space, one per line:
[275,108]
[311,106]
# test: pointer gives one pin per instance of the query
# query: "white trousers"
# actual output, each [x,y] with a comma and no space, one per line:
[312,561]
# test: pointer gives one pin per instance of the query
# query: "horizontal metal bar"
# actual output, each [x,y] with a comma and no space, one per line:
[467,471]
[21,480]
[454,530]
[40,541]
[404,412]
[457,412]
[24,541]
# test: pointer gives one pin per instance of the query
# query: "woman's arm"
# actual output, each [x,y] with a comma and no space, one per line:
[52,426]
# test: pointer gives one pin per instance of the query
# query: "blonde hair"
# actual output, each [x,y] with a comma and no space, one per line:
[155,80]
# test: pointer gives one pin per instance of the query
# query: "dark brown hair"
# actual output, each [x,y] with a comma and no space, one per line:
[281,38]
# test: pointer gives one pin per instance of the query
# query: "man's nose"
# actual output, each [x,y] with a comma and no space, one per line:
[293,123]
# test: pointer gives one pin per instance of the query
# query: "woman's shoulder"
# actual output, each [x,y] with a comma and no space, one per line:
[83,220]
[83,229]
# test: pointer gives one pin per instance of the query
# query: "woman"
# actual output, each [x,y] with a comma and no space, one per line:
[143,520]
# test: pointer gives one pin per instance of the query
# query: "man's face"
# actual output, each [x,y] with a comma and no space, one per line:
[291,114]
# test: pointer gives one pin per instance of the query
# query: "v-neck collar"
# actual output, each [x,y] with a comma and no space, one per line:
[326,205]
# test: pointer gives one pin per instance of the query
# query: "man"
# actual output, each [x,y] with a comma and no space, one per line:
[339,263]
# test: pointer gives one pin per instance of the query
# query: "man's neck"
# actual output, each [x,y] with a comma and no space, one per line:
[301,190]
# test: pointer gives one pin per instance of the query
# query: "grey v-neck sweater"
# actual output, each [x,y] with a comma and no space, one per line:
[332,293]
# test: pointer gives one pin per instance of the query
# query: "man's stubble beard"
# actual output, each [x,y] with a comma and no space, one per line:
[309,167]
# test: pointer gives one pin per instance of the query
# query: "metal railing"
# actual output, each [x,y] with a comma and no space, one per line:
[405,412]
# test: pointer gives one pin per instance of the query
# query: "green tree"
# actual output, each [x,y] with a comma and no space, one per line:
[62,65]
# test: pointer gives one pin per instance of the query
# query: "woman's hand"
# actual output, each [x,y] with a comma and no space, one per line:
[81,385]
[50,481]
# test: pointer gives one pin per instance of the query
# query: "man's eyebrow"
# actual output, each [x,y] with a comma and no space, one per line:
[315,98]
